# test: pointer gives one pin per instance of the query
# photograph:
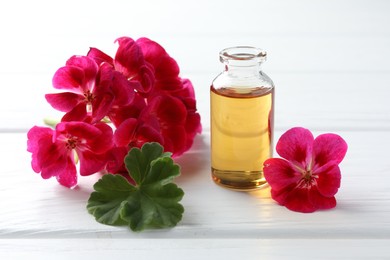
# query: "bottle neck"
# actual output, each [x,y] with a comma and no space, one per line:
[242,69]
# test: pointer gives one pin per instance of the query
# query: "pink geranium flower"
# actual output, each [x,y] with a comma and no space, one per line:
[166,70]
[93,90]
[138,95]
[130,62]
[53,151]
[164,106]
[308,177]
[178,135]
[193,125]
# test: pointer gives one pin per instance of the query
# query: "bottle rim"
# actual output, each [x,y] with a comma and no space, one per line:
[243,53]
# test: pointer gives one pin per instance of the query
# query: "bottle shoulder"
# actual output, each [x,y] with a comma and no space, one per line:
[259,80]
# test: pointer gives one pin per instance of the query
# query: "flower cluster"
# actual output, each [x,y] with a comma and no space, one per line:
[307,178]
[112,105]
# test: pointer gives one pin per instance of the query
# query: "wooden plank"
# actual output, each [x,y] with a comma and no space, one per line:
[322,101]
[43,209]
[272,249]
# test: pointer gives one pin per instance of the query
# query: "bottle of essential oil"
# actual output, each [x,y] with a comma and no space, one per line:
[242,116]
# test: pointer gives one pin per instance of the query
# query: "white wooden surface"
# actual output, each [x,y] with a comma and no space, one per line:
[330,63]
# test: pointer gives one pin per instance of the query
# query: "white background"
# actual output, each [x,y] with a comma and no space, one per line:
[318,44]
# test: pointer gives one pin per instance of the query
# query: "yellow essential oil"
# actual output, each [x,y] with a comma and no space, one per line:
[242,116]
[241,137]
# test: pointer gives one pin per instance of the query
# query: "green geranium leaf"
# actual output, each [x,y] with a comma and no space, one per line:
[106,202]
[138,161]
[152,203]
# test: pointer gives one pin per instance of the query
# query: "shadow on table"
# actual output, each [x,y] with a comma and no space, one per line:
[195,161]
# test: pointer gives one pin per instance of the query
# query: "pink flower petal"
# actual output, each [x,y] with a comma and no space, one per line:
[280,174]
[171,85]
[115,163]
[78,113]
[302,198]
[193,125]
[38,138]
[54,160]
[155,54]
[91,162]
[146,133]
[119,114]
[78,75]
[131,134]
[69,77]
[329,180]
[130,61]
[104,141]
[104,78]
[299,200]
[321,202]
[175,139]
[64,102]
[86,64]
[100,106]
[99,56]
[35,134]
[123,89]
[129,57]
[329,148]
[146,78]
[281,195]
[296,145]
[188,89]
[167,109]
[67,176]
[184,92]
[125,132]
[78,129]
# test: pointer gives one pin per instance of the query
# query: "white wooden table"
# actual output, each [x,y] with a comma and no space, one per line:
[330,64]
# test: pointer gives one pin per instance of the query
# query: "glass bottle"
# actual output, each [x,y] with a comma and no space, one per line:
[242,117]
